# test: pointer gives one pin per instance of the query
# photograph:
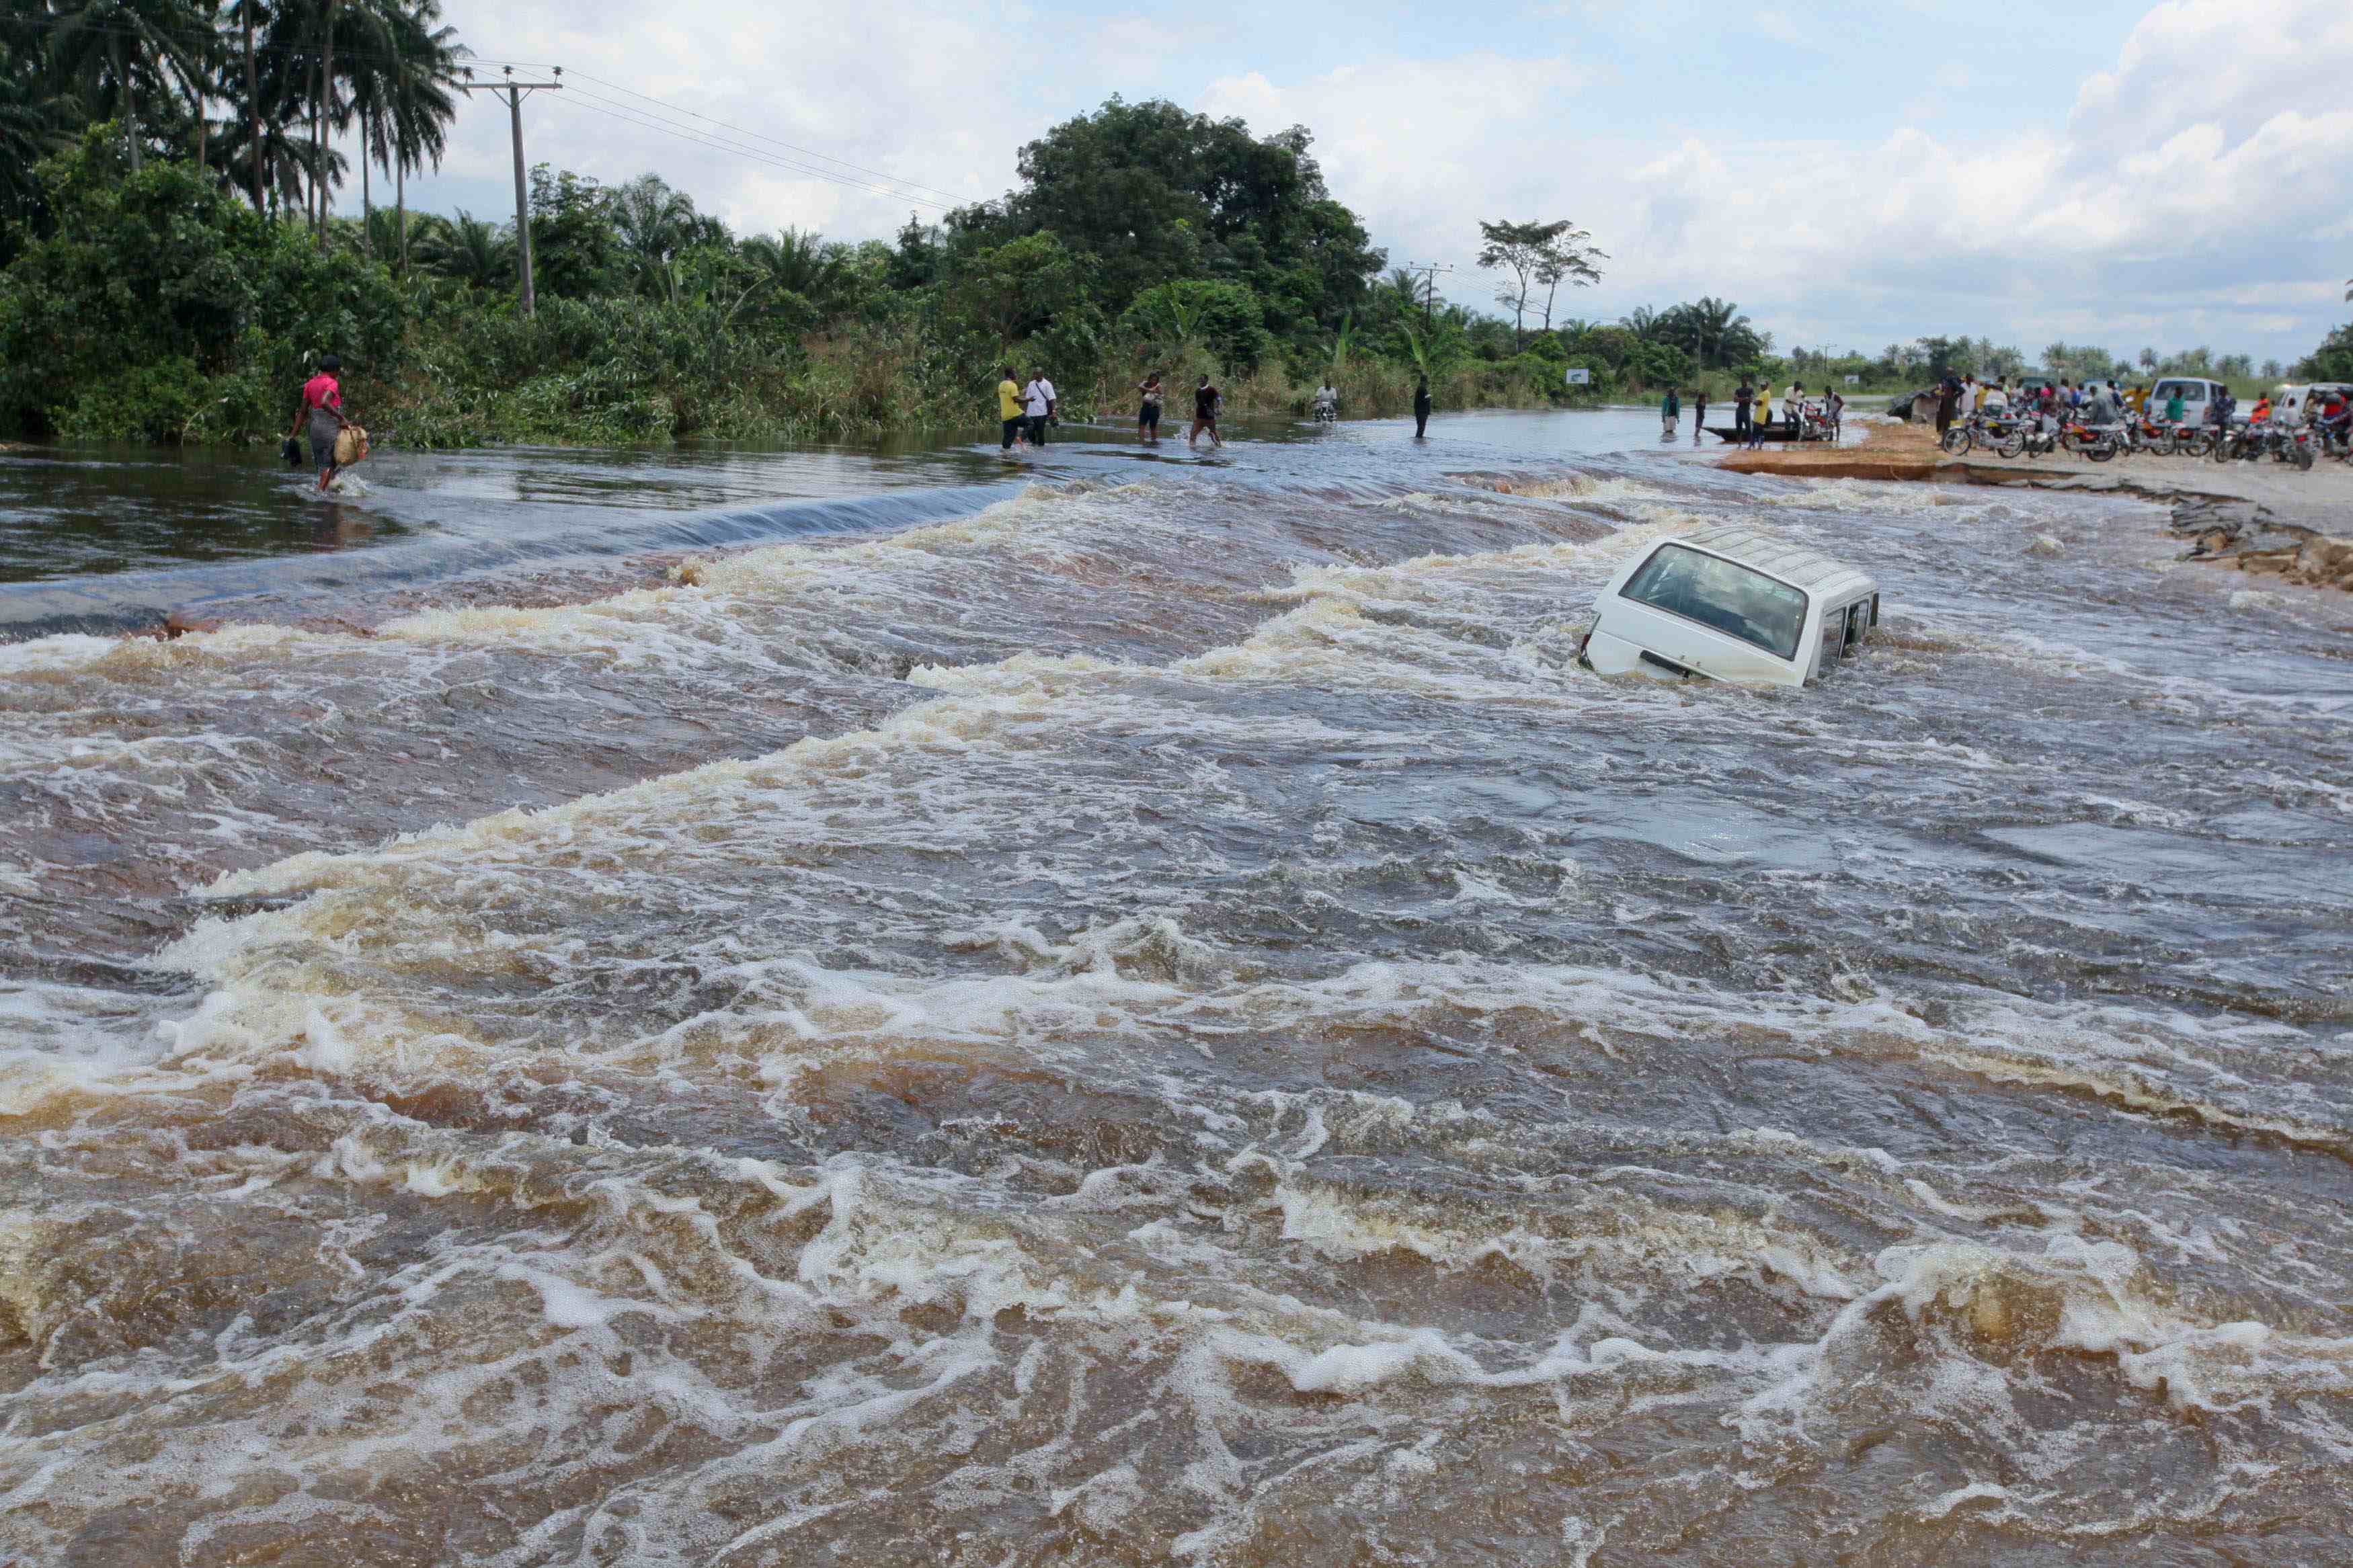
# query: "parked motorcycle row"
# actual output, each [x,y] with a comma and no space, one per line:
[2042,434]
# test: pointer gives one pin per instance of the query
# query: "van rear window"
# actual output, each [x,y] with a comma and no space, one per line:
[1721,593]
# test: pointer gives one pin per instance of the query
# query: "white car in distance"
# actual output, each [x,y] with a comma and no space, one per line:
[1730,604]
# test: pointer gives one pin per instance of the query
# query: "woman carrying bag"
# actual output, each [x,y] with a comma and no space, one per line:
[335,441]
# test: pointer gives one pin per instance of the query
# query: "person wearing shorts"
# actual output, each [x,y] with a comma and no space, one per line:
[1147,413]
[1008,409]
[322,411]
[1204,415]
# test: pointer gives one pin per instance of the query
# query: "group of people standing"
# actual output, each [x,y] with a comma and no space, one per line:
[1207,400]
[1752,411]
[1025,411]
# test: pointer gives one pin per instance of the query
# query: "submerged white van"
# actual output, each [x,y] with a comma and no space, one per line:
[1730,604]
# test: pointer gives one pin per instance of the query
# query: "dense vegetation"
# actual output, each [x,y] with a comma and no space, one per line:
[175,261]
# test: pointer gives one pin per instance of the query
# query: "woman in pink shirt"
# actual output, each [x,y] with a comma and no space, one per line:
[322,409]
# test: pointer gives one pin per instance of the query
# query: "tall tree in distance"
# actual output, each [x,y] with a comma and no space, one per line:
[1523,251]
[425,71]
[250,16]
[116,49]
[1568,259]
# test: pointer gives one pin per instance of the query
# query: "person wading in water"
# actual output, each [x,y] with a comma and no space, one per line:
[1204,415]
[1008,409]
[323,410]
[1699,414]
[1147,414]
[1421,407]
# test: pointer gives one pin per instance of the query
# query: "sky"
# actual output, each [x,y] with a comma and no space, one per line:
[1854,175]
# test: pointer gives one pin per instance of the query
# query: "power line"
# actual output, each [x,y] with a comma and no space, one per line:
[777,142]
[630,116]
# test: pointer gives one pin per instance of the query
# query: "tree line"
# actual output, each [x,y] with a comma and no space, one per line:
[255,92]
[150,292]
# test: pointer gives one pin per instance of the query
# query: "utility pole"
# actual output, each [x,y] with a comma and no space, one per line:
[1430,272]
[514,91]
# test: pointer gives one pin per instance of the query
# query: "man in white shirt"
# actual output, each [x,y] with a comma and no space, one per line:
[1037,401]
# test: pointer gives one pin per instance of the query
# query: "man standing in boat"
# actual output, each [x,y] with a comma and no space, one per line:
[1744,397]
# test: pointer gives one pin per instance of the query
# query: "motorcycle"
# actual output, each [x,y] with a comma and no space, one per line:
[2094,443]
[2226,443]
[2184,439]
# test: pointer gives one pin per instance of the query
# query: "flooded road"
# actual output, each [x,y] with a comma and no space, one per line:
[1135,1010]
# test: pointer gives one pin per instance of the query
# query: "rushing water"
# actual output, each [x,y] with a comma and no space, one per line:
[1156,1016]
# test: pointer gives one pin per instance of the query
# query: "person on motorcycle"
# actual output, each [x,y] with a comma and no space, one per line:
[1327,402]
[2262,411]
[2333,417]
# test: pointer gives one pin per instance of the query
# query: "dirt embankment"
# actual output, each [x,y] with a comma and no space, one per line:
[2263,518]
[1886,452]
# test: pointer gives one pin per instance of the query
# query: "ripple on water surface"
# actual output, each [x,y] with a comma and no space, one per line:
[1165,1018]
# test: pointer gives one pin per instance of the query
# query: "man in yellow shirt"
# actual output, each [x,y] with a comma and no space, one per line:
[1009,408]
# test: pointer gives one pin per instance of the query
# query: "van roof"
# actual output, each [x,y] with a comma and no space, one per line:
[1779,559]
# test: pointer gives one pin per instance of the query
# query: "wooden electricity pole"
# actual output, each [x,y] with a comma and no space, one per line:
[1430,272]
[513,91]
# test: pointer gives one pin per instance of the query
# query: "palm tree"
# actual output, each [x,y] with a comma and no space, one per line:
[115,49]
[1642,322]
[424,75]
[797,264]
[249,15]
[655,224]
[1712,320]
[478,254]
[31,126]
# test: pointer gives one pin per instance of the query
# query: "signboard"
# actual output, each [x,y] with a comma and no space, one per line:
[1855,381]
[1577,375]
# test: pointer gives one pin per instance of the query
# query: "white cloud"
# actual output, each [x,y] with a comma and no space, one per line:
[2184,196]
[2180,203]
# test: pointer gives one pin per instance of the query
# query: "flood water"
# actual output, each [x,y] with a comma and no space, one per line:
[1127,1009]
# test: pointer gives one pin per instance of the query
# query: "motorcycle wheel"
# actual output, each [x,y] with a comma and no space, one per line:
[2012,444]
[2304,460]
[1956,440]
[2098,451]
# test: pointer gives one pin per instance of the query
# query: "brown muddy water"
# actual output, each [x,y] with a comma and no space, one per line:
[1153,1015]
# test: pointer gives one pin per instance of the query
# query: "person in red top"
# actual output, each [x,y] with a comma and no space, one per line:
[323,410]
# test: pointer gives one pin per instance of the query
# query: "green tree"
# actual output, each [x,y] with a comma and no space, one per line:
[162,280]
[572,239]
[1536,256]
[2332,361]
[1152,193]
[1518,251]
[468,250]
[1011,292]
[801,274]
[118,52]
[654,225]
[1224,320]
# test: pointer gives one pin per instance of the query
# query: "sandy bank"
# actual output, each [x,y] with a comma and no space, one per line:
[2260,517]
